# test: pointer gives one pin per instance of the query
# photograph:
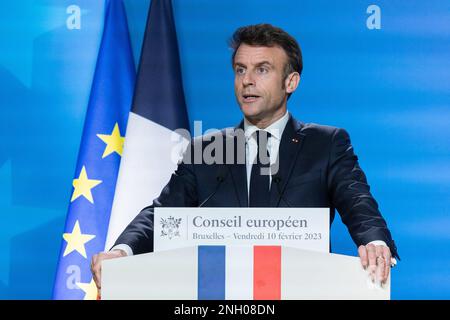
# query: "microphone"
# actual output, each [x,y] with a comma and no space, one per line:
[277,180]
[221,175]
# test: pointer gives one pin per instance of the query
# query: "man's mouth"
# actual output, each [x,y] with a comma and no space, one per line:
[248,97]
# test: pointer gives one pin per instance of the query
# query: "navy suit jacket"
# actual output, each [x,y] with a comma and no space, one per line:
[317,168]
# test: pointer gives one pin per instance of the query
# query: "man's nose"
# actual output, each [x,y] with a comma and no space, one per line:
[248,79]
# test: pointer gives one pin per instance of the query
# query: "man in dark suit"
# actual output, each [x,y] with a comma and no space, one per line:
[277,161]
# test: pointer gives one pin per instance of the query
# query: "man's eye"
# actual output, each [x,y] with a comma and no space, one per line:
[240,70]
[262,70]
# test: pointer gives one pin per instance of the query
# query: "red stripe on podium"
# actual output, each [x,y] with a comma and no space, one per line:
[267,273]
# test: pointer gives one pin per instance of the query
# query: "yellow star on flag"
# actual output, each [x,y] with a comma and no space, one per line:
[114,142]
[76,241]
[83,186]
[90,290]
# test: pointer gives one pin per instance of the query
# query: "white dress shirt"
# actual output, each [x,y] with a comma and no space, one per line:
[251,149]
[273,143]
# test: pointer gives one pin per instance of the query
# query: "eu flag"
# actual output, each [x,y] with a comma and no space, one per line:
[99,158]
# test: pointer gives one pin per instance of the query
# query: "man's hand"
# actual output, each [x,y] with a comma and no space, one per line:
[377,259]
[96,264]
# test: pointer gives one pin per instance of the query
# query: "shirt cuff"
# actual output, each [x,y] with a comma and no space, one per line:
[123,247]
[378,243]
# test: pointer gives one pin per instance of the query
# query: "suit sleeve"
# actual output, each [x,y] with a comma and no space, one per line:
[180,191]
[350,194]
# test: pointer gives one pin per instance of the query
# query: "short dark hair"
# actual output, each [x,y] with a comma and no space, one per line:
[267,35]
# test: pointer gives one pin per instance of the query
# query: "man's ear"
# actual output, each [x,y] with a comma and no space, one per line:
[292,81]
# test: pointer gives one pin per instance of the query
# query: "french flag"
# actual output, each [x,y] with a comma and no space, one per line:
[239,273]
[158,109]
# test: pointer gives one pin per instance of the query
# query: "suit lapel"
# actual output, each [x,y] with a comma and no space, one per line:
[238,169]
[290,145]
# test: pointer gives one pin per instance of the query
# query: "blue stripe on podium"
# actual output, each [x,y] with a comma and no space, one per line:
[211,273]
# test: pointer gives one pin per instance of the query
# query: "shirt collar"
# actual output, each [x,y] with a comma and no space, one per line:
[276,129]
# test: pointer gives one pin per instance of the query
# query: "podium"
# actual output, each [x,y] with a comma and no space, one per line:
[177,275]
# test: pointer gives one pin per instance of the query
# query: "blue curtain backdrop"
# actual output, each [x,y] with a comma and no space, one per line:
[386,81]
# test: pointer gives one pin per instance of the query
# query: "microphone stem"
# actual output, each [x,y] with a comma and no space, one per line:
[277,181]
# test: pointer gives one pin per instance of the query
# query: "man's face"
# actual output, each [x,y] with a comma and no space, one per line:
[258,82]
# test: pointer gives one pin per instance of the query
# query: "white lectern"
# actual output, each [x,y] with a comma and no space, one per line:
[174,274]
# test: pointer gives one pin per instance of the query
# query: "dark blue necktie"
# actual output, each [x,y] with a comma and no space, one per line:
[259,179]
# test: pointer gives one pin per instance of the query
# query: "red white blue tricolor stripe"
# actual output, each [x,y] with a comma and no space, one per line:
[239,273]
